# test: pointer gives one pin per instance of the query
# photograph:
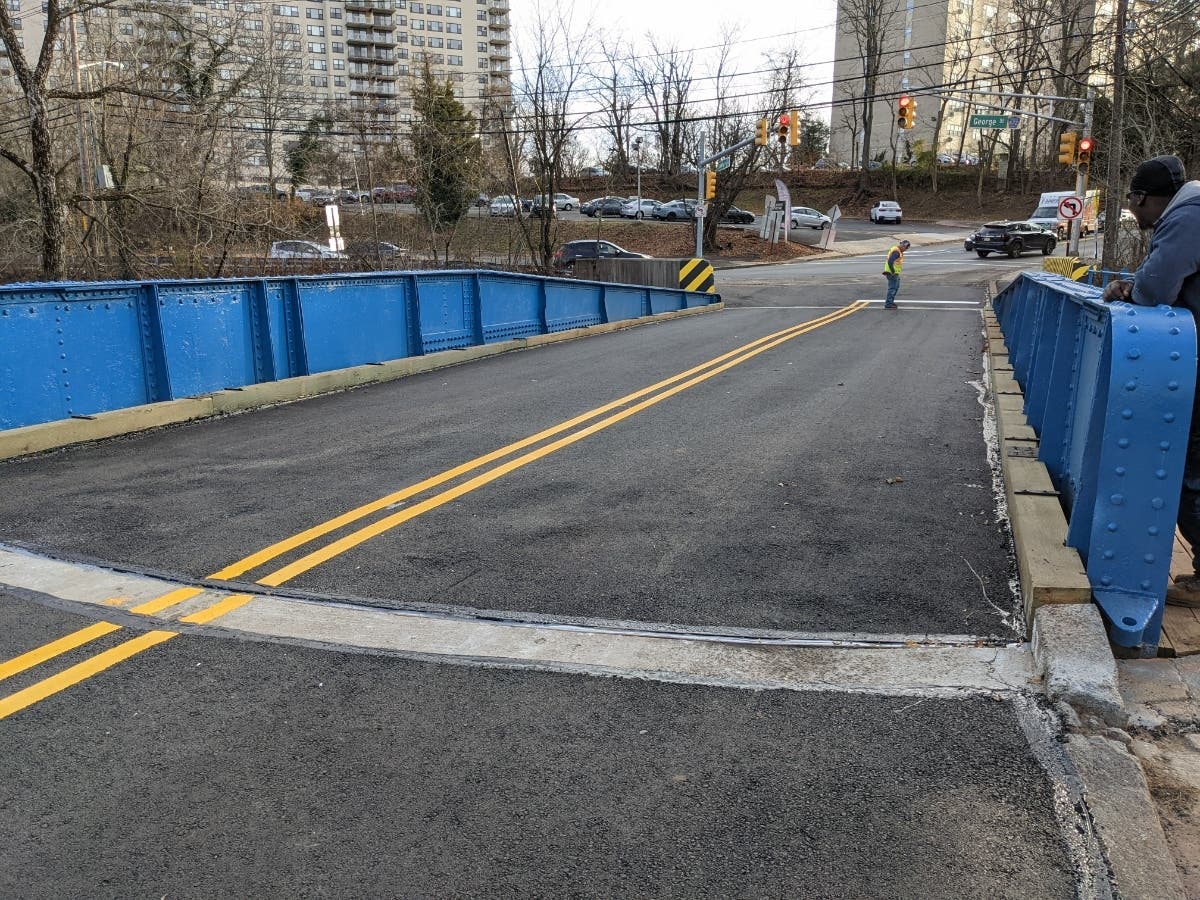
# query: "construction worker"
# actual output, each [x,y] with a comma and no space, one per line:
[891,271]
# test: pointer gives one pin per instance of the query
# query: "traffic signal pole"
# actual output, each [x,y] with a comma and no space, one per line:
[790,136]
[1081,175]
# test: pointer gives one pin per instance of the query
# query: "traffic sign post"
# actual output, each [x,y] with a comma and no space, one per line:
[1070,207]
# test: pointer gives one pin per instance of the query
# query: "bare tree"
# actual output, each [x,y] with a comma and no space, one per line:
[551,74]
[869,24]
[665,79]
[616,90]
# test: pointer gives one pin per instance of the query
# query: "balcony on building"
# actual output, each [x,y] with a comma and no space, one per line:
[500,53]
[370,4]
[498,37]
[498,6]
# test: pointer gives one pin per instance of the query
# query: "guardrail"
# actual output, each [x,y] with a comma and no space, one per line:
[1108,390]
[76,349]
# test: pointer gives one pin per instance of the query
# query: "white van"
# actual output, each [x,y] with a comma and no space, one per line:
[1046,214]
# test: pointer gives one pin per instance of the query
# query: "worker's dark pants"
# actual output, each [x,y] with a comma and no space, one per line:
[1189,498]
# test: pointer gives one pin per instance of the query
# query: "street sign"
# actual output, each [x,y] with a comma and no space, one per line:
[1014,122]
[722,164]
[1070,207]
[701,210]
[979,120]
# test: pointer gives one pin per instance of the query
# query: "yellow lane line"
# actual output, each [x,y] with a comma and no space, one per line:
[336,548]
[105,660]
[77,673]
[158,604]
[254,560]
[229,604]
[55,648]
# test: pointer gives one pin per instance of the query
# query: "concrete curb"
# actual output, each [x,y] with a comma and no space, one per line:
[16,442]
[1126,819]
[1077,666]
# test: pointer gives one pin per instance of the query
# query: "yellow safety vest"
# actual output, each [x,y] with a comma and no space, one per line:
[890,268]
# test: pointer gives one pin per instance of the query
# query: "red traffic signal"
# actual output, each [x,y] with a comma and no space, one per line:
[1086,145]
[906,111]
[782,130]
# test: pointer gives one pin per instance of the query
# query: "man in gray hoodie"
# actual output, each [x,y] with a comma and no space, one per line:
[1161,197]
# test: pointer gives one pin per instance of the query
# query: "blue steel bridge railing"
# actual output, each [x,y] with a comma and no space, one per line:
[72,349]
[1108,390]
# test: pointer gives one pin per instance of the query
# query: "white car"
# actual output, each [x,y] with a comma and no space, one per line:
[886,211]
[302,250]
[807,217]
[631,210]
[502,206]
[565,201]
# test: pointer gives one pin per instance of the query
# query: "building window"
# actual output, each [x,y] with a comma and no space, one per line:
[454,60]
[314,13]
[316,31]
[316,47]
[454,12]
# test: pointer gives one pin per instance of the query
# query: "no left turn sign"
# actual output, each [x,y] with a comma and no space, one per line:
[1070,207]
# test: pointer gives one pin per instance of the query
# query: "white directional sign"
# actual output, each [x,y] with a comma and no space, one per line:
[1070,207]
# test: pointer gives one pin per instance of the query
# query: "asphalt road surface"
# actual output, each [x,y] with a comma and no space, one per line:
[800,463]
[836,481]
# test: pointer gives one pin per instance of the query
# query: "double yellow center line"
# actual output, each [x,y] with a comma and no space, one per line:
[612,413]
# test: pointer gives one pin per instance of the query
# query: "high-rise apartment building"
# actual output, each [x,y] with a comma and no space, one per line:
[974,48]
[356,57]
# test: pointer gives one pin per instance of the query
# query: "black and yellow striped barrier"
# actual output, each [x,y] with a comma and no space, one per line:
[697,275]
[1070,266]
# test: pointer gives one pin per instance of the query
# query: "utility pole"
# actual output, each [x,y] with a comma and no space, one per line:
[1116,147]
[697,220]
[1081,174]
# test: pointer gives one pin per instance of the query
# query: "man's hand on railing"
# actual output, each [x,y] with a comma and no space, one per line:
[1117,290]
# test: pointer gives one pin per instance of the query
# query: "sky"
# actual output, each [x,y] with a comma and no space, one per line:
[762,28]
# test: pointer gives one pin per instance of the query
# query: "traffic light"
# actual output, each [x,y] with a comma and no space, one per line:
[1083,153]
[906,111]
[784,128]
[1066,148]
[710,184]
[794,128]
[760,133]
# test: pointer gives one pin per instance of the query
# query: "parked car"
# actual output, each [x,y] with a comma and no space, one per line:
[374,250]
[736,216]
[322,198]
[886,211]
[481,200]
[260,191]
[542,205]
[302,250]
[594,172]
[808,217]
[676,210]
[351,198]
[504,205]
[1013,238]
[589,207]
[609,206]
[631,210]
[565,201]
[565,256]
